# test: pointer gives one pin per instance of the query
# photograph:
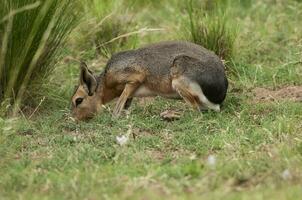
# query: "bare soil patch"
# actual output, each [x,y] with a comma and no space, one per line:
[288,93]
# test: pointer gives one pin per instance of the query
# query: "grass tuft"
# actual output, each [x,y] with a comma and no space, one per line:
[31,33]
[208,26]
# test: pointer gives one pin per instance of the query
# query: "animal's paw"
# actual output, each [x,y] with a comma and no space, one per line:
[170,115]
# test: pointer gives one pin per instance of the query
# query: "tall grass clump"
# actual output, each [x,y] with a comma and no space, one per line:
[31,34]
[106,27]
[207,25]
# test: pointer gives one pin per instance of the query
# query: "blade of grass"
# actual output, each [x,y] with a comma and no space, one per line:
[20,10]
[15,72]
[3,52]
[35,59]
[143,30]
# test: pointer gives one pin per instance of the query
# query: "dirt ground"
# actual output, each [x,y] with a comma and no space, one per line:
[288,93]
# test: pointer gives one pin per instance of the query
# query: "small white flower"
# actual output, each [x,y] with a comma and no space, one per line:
[286,175]
[122,140]
[211,161]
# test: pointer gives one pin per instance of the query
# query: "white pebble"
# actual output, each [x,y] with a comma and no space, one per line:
[286,175]
[122,140]
[211,160]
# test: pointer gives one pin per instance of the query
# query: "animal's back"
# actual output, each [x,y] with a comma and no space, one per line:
[157,59]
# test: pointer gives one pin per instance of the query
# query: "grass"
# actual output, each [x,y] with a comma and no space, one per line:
[31,33]
[208,26]
[106,21]
[256,146]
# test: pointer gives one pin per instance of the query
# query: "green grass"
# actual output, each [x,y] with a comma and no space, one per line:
[208,26]
[31,34]
[104,27]
[45,155]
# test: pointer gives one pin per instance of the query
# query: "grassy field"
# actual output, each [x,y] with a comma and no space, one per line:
[251,150]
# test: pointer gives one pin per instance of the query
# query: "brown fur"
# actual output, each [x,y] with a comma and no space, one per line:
[150,71]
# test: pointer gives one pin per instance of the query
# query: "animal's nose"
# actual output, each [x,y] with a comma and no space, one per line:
[74,116]
[77,119]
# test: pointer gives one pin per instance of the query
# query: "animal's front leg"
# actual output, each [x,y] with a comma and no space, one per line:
[127,92]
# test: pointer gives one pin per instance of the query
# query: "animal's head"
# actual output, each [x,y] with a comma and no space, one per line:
[86,101]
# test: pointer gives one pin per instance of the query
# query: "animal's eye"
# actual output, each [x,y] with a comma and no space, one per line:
[78,101]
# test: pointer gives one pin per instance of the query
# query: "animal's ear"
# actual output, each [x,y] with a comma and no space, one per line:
[87,79]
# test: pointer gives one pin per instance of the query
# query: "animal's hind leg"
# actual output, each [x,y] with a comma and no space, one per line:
[206,103]
[192,93]
[184,88]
